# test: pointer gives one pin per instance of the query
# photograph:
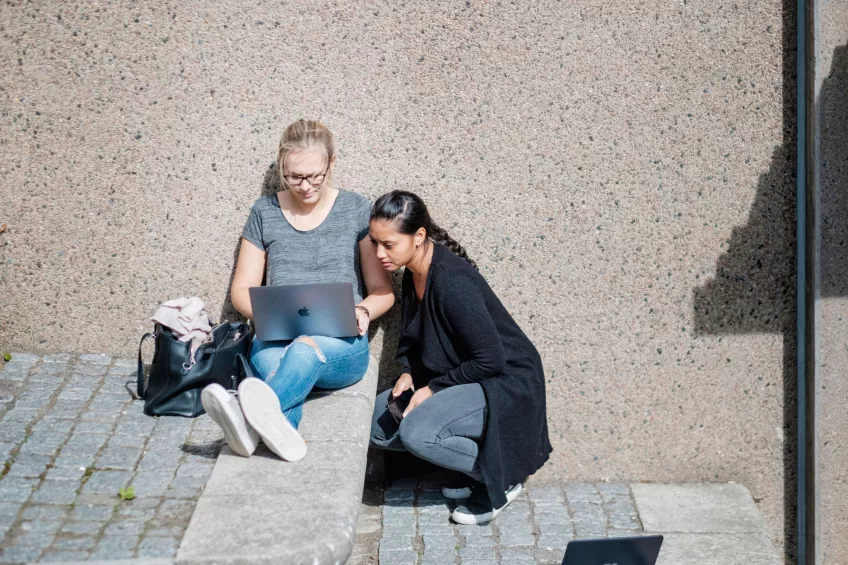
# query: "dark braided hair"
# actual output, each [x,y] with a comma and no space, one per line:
[409,213]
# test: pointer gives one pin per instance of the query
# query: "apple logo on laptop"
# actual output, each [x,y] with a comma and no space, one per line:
[304,312]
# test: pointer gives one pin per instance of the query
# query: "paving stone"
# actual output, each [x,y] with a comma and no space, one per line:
[173,512]
[78,543]
[624,522]
[65,474]
[28,465]
[57,358]
[103,428]
[613,491]
[192,469]
[155,546]
[160,460]
[124,528]
[399,497]
[63,556]
[55,492]
[49,513]
[546,493]
[132,512]
[513,556]
[581,492]
[99,416]
[125,440]
[9,508]
[442,557]
[23,359]
[398,558]
[13,374]
[58,426]
[37,533]
[44,443]
[188,481]
[83,528]
[16,489]
[70,394]
[13,432]
[122,458]
[19,554]
[92,512]
[173,532]
[6,522]
[106,482]
[115,547]
[90,440]
[183,493]
[6,449]
[20,415]
[95,358]
[152,483]
[473,552]
[396,543]
[63,411]
[440,541]
[51,369]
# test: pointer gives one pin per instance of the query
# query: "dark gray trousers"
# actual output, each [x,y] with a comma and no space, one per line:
[444,429]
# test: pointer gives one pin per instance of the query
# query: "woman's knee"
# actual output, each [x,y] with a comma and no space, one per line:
[417,436]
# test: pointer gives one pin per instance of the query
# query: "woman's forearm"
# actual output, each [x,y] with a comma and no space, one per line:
[240,297]
[378,302]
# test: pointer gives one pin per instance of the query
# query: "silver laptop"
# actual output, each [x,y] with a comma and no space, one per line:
[291,311]
[637,550]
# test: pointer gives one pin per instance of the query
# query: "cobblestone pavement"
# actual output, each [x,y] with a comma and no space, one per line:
[70,438]
[533,530]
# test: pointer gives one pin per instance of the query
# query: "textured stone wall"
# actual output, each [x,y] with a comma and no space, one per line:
[622,172]
[832,116]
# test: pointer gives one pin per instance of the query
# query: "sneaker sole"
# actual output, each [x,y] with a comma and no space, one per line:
[456,493]
[261,407]
[478,519]
[215,400]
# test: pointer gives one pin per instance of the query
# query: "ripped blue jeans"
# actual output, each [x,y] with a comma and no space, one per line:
[294,368]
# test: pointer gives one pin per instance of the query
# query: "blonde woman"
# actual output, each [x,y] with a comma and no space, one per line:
[309,232]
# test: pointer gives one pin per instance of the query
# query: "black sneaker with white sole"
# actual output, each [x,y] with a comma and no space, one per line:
[459,487]
[477,509]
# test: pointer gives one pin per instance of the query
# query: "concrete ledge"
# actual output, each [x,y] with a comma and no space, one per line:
[263,510]
[705,524]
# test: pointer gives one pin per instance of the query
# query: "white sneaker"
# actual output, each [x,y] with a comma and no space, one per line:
[478,509]
[225,410]
[261,407]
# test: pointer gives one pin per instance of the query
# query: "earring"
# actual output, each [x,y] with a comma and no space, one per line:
[417,245]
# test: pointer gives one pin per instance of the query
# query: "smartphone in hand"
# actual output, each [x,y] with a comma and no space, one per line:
[397,404]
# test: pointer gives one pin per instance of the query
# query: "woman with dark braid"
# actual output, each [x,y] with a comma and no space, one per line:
[479,391]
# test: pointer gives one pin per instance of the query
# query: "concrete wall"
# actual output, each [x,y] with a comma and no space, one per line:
[622,172]
[832,141]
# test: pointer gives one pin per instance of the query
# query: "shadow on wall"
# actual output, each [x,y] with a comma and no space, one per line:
[754,287]
[833,117]
[390,322]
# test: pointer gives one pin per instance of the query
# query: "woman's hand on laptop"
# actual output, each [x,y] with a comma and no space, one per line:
[363,319]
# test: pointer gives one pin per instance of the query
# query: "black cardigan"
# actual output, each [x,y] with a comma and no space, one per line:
[461,333]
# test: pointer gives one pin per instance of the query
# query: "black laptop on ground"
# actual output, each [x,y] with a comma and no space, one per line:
[641,550]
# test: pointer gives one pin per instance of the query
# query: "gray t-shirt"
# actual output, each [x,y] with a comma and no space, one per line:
[326,254]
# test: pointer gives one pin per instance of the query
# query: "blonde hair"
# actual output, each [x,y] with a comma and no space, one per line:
[303,134]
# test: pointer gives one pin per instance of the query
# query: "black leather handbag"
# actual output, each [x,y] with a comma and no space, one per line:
[176,378]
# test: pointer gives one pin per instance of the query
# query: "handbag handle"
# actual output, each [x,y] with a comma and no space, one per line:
[140,377]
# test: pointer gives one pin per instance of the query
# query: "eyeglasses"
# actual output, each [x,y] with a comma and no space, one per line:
[313,180]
